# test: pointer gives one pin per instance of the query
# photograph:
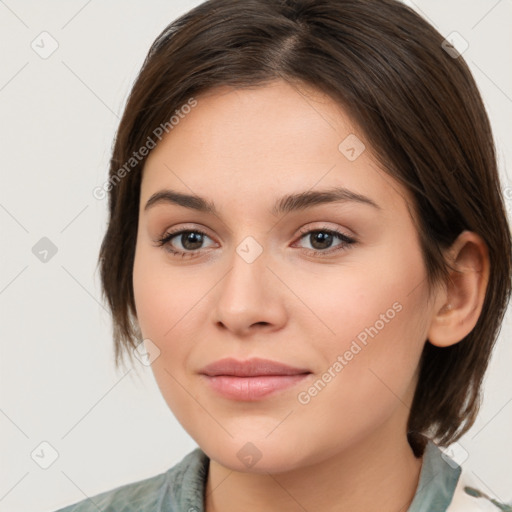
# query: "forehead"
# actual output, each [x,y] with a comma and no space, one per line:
[253,144]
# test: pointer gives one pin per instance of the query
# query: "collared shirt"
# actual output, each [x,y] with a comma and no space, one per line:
[443,487]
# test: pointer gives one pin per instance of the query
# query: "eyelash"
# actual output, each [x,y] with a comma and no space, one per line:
[347,241]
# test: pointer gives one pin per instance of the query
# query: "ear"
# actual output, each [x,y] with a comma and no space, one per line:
[459,304]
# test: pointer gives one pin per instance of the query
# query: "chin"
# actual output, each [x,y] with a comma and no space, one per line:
[254,454]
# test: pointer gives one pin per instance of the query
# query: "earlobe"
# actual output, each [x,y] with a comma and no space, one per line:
[458,307]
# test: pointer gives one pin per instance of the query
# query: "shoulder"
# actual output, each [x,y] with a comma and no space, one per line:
[141,496]
[446,486]
[469,496]
[152,494]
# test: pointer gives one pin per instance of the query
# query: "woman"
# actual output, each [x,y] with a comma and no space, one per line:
[307,231]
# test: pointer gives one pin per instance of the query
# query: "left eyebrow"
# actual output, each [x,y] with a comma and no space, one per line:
[288,203]
[310,198]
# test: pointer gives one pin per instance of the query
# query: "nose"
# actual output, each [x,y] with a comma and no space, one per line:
[251,297]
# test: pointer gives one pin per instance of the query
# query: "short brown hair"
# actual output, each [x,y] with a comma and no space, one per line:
[418,108]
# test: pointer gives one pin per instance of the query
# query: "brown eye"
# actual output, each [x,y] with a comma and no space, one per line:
[190,241]
[322,239]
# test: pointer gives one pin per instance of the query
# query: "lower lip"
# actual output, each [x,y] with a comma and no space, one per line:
[252,388]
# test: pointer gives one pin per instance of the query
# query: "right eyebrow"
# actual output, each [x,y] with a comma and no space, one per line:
[168,196]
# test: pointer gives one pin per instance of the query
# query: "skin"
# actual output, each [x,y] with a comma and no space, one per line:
[346,449]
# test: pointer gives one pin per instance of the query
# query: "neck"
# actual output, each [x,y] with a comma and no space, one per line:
[379,472]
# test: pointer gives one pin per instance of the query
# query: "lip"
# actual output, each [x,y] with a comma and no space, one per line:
[251,379]
[253,367]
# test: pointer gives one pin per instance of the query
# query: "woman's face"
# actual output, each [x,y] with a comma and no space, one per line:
[271,279]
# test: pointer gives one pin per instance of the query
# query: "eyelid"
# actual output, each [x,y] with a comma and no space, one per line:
[303,230]
[199,228]
[324,227]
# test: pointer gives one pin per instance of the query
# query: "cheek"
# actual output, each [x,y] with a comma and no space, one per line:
[150,301]
[369,370]
[167,301]
[162,309]
[373,326]
[163,296]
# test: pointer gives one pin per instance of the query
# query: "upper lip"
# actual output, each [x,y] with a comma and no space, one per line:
[250,368]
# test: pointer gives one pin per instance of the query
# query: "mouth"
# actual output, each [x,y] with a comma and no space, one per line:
[252,379]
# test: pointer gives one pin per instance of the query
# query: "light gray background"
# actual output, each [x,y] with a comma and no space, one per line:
[58,118]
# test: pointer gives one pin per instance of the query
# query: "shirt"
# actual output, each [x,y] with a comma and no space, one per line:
[442,487]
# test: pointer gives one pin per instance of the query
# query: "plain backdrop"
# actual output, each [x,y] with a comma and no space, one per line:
[58,383]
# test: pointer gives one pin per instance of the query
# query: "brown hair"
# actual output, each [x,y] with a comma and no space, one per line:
[419,110]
